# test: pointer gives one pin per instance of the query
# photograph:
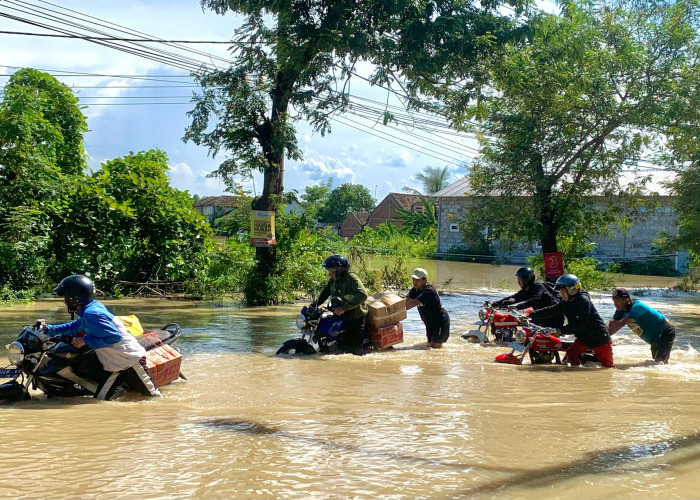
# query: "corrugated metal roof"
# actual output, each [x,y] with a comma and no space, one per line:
[460,187]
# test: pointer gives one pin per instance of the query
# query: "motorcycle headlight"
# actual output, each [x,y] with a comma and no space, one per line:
[520,337]
[301,321]
[15,353]
[483,314]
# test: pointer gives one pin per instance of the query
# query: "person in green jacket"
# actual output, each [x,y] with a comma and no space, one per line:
[346,285]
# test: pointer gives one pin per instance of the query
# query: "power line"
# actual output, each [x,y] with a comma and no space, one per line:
[58,20]
[121,39]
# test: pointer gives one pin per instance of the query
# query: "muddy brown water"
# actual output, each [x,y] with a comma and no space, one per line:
[411,423]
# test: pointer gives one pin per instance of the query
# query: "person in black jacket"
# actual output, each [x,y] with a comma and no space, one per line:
[533,294]
[424,296]
[583,321]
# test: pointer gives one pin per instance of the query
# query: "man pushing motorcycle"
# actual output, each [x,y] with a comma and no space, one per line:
[346,285]
[651,326]
[121,356]
[535,294]
[583,321]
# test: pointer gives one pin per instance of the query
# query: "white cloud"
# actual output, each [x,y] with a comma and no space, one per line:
[183,177]
[327,167]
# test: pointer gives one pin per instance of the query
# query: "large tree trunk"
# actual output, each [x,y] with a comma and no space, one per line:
[546,213]
[258,290]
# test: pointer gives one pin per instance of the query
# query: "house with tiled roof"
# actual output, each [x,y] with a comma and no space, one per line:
[387,209]
[213,207]
[353,224]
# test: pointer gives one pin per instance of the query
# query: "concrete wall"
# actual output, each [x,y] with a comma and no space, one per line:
[635,242]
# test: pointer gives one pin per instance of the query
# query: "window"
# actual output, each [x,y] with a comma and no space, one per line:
[454,228]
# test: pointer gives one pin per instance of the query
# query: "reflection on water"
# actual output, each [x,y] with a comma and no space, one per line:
[412,423]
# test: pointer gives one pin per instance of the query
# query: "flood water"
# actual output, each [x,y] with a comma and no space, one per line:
[411,423]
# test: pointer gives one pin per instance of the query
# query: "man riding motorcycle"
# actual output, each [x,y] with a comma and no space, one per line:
[346,285]
[533,294]
[120,354]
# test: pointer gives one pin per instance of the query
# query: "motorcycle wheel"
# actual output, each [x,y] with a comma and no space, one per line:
[296,346]
[541,358]
[472,339]
[12,391]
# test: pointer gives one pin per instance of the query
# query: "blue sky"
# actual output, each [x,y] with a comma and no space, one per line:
[118,126]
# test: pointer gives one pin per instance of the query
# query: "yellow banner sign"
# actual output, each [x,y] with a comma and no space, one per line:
[262,228]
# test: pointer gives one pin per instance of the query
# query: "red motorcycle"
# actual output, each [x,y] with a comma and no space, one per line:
[542,346]
[496,325]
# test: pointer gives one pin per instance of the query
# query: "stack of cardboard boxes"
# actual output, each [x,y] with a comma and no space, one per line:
[386,310]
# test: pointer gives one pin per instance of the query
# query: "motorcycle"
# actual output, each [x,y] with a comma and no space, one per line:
[543,347]
[53,366]
[321,331]
[495,325]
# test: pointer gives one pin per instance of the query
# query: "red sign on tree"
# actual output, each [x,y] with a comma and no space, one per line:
[553,265]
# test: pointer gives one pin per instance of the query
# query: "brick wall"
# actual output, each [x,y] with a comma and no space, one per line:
[383,212]
[350,227]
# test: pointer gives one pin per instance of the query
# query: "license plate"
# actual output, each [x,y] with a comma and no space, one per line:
[517,346]
[9,372]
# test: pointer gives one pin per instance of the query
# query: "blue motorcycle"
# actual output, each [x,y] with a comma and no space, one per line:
[321,331]
[53,366]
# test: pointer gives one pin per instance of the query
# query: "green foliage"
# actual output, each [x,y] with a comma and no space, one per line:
[345,199]
[474,234]
[41,156]
[126,223]
[11,296]
[432,180]
[686,188]
[423,223]
[315,199]
[583,99]
[237,221]
[300,55]
[387,239]
[574,250]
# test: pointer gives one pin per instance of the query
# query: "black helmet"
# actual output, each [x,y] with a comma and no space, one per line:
[336,261]
[527,274]
[570,282]
[77,290]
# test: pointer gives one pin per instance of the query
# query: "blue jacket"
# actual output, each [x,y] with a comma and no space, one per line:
[96,321]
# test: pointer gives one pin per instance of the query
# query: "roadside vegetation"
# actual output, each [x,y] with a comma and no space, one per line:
[561,104]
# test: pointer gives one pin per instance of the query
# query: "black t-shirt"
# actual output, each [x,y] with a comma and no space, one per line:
[583,319]
[431,309]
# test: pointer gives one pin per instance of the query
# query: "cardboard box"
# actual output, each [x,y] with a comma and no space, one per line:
[377,308]
[383,305]
[393,302]
[387,336]
[163,364]
[387,320]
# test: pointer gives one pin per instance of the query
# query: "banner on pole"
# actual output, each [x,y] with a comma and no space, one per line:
[553,265]
[262,228]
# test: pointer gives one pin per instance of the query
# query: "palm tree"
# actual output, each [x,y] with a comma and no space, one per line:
[432,180]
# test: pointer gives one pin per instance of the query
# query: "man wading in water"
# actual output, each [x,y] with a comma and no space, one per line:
[435,317]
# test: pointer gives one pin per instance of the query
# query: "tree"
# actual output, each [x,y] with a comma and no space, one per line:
[41,152]
[423,223]
[432,179]
[686,189]
[315,199]
[126,223]
[571,109]
[299,55]
[345,199]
